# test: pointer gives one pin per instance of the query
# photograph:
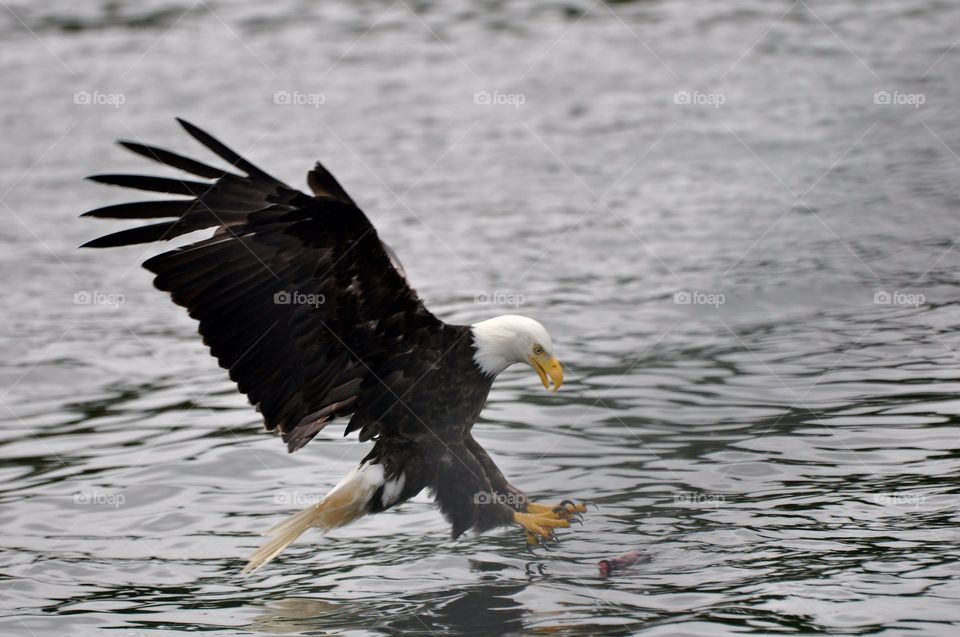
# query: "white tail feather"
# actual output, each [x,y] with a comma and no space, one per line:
[345,503]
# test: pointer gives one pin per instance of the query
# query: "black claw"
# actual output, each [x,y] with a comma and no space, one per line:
[575,520]
[568,510]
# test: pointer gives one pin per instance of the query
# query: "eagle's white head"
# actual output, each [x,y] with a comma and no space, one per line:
[502,341]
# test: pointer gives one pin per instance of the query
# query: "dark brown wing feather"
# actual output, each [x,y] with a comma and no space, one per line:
[296,295]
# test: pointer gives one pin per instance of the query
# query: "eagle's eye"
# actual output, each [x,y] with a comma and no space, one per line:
[538,350]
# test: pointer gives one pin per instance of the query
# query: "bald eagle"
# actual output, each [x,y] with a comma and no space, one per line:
[312,315]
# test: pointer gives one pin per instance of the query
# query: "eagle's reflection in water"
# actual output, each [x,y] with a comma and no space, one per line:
[489,609]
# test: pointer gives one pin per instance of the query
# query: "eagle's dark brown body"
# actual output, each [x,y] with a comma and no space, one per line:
[444,457]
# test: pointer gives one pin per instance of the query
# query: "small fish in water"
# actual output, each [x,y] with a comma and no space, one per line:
[622,564]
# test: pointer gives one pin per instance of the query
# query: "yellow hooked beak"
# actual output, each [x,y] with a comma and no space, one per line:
[548,368]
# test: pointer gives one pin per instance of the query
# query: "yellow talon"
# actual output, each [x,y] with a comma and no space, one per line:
[538,527]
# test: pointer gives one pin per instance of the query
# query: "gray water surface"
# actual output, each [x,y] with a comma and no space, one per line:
[783,446]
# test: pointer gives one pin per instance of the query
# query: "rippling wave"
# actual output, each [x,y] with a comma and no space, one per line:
[756,298]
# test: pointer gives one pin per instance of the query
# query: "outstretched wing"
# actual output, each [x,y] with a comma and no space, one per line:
[296,295]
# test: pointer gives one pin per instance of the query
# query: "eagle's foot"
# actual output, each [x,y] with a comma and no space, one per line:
[566,510]
[539,528]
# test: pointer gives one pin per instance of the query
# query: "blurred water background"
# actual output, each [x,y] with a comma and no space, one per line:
[738,219]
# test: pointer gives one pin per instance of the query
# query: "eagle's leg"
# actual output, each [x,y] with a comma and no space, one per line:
[517,499]
[510,503]
[505,492]
[537,520]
